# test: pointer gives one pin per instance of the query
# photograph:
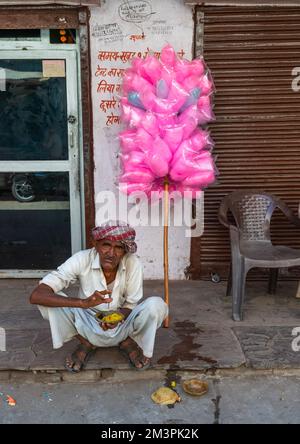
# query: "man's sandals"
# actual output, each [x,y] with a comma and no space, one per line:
[78,359]
[134,353]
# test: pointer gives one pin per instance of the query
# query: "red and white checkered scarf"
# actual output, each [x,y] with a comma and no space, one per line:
[116,231]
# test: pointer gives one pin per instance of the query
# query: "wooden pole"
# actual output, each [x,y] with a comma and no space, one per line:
[166,249]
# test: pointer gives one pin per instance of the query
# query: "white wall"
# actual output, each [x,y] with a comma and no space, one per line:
[147,25]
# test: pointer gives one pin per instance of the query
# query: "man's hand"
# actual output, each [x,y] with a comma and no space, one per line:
[109,326]
[97,298]
[106,326]
[124,311]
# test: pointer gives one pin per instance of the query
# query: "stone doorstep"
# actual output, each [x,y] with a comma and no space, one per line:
[185,346]
[122,376]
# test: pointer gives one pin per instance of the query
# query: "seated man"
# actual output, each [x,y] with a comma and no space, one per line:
[110,278]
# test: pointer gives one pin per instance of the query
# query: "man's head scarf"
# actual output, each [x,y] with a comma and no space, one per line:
[116,231]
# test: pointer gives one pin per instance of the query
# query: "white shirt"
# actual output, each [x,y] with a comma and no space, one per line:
[85,267]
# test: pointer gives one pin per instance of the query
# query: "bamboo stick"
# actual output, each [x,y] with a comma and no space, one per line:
[166,249]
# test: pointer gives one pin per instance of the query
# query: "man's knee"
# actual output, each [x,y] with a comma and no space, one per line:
[155,305]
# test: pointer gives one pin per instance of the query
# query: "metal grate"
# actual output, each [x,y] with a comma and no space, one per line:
[251,52]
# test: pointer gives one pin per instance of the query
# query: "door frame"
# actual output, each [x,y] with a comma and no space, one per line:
[72,165]
[46,17]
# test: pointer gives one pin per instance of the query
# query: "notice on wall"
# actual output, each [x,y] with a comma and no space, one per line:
[120,31]
[54,68]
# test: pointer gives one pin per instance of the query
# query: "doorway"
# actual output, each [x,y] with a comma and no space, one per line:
[40,202]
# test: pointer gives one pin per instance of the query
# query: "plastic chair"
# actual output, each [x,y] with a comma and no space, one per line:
[250,240]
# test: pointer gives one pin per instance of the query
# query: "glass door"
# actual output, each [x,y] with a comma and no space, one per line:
[40,221]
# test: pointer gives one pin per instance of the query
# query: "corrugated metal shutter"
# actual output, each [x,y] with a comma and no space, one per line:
[251,53]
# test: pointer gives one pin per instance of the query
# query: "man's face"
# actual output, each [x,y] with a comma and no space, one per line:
[110,253]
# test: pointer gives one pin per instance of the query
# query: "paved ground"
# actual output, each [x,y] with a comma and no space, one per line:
[230,400]
[202,334]
[252,370]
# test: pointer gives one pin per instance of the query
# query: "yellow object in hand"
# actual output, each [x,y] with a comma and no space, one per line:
[112,318]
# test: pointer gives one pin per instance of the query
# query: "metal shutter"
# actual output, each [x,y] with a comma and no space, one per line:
[251,53]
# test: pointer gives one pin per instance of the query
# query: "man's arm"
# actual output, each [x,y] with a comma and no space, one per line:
[45,296]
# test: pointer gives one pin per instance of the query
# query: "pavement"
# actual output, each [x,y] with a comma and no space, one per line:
[202,336]
[243,399]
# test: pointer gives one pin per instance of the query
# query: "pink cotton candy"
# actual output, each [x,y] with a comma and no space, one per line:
[200,179]
[165,100]
[136,64]
[140,175]
[125,109]
[133,160]
[125,164]
[205,110]
[137,157]
[183,151]
[206,85]
[204,161]
[187,163]
[165,106]
[144,140]
[131,114]
[133,98]
[189,120]
[158,165]
[162,148]
[168,75]
[127,81]
[127,140]
[150,124]
[173,136]
[165,120]
[162,89]
[136,117]
[151,69]
[183,69]
[158,157]
[197,67]
[148,99]
[134,82]
[200,139]
[192,82]
[180,170]
[168,56]
[141,84]
[177,95]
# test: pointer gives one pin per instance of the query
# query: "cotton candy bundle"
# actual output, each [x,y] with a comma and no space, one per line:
[164,102]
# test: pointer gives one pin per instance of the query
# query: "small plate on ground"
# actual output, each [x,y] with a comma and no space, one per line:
[165,396]
[195,387]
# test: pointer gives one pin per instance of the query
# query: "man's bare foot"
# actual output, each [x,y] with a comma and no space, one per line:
[78,359]
[134,353]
